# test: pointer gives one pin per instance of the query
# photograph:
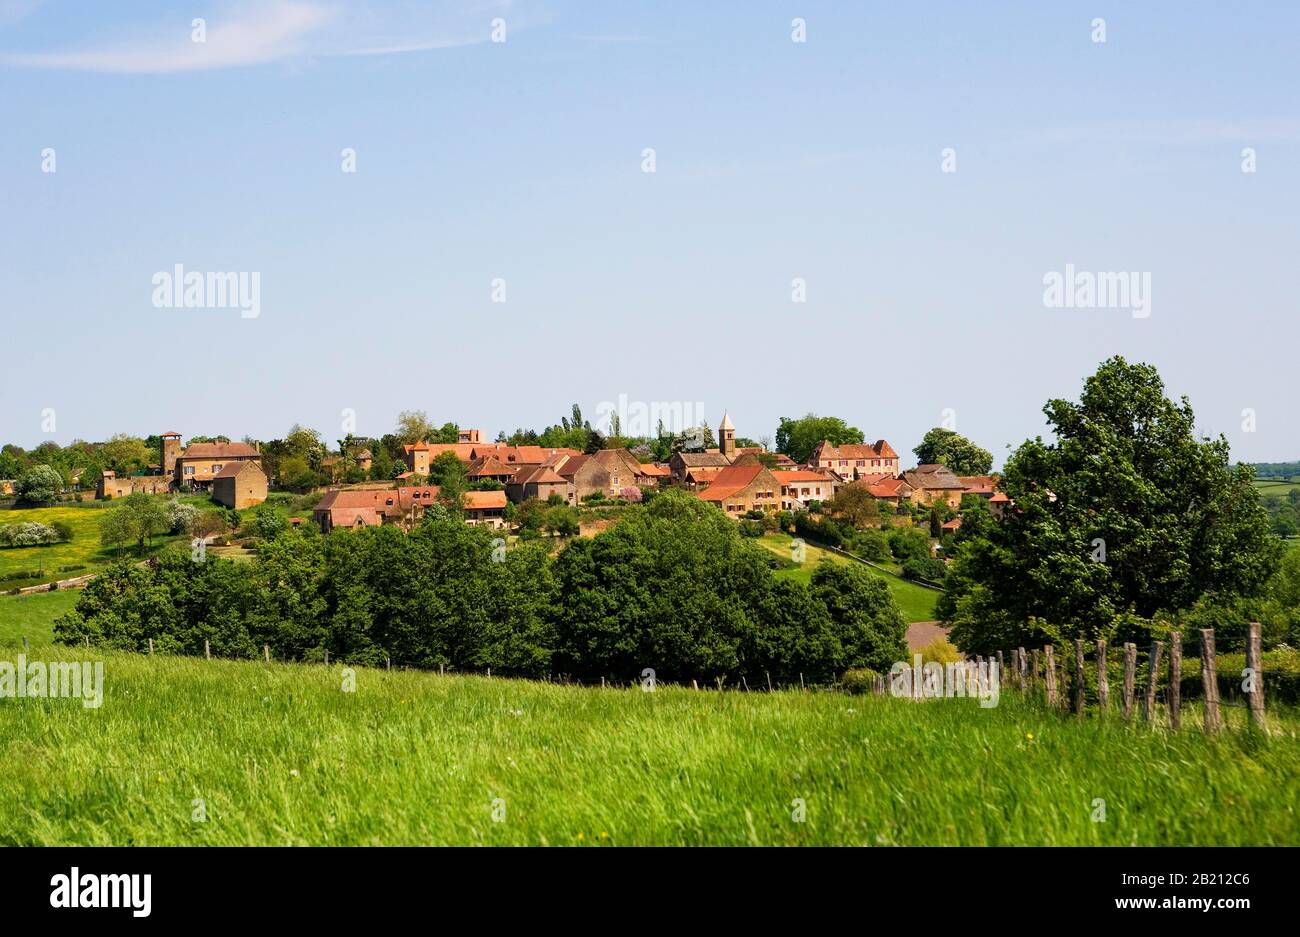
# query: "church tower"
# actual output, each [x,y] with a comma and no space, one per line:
[727,437]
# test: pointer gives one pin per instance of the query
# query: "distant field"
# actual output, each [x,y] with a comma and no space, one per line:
[279,754]
[915,602]
[85,548]
[1270,487]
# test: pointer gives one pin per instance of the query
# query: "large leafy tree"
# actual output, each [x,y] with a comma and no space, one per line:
[1126,513]
[957,452]
[798,438]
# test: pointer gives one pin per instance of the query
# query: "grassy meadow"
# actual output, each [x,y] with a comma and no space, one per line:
[915,602]
[85,550]
[279,754]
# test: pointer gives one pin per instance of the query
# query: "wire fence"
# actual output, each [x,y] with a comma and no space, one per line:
[1173,678]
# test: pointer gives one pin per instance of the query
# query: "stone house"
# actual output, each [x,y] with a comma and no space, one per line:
[738,489]
[239,485]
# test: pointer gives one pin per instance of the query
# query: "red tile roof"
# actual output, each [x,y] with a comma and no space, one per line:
[730,481]
[538,475]
[802,475]
[481,500]
[219,450]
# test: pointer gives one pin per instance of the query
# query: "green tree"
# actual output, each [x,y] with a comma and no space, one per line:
[948,448]
[1126,513]
[869,627]
[798,438]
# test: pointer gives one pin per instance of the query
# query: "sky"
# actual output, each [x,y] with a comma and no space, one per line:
[915,174]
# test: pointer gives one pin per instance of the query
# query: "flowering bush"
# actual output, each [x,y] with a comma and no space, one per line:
[29,534]
[631,494]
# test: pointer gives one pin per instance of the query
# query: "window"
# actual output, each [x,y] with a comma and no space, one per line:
[189,470]
[216,468]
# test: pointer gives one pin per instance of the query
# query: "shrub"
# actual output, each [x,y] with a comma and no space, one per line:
[30,534]
[940,651]
[926,569]
[908,543]
[872,545]
[64,531]
[858,680]
[180,516]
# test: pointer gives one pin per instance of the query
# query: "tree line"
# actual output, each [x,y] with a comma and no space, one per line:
[673,587]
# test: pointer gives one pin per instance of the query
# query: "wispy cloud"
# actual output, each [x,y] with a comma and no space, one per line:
[271,31]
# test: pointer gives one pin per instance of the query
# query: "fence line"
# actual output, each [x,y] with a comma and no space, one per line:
[1071,689]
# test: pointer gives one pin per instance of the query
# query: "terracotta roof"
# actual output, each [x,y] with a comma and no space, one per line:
[170,432]
[538,475]
[889,488]
[480,500]
[487,466]
[390,501]
[231,469]
[655,470]
[933,477]
[879,450]
[347,517]
[531,455]
[802,475]
[978,484]
[219,450]
[704,473]
[572,464]
[1000,497]
[953,524]
[729,481]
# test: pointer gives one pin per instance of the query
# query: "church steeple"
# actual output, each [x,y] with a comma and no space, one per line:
[727,436]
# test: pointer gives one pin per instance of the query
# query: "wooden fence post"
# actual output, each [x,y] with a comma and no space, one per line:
[1175,679]
[207,649]
[1103,678]
[266,653]
[327,657]
[1255,661]
[1130,674]
[1001,668]
[769,680]
[1033,668]
[1020,667]
[1153,676]
[1079,677]
[1049,674]
[1210,681]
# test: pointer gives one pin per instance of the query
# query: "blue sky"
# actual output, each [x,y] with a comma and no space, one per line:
[522,160]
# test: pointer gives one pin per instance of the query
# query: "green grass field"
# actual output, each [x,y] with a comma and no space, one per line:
[1270,487]
[85,548]
[279,754]
[915,602]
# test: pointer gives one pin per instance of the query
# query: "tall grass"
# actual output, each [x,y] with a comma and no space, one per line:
[280,754]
